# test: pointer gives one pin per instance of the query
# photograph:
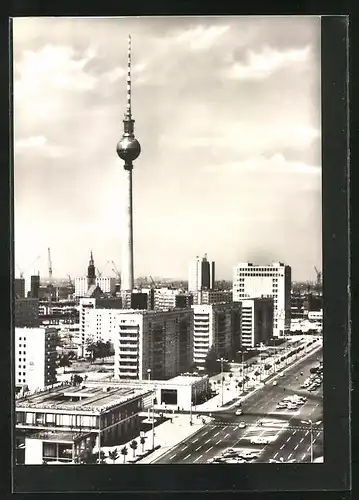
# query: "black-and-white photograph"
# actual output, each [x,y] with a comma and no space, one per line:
[168,240]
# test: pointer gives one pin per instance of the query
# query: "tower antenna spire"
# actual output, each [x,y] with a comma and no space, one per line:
[128,111]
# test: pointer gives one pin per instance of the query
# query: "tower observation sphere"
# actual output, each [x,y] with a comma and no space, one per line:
[128,149]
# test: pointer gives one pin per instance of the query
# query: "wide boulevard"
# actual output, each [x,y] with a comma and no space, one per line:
[290,437]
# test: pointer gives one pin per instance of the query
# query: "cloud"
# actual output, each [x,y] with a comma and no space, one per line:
[275,164]
[261,65]
[39,145]
[200,37]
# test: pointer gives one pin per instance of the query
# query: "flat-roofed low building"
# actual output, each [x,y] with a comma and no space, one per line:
[67,415]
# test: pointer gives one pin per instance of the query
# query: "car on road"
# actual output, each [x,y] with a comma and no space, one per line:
[242,425]
[260,440]
[239,411]
[275,383]
[281,406]
[281,374]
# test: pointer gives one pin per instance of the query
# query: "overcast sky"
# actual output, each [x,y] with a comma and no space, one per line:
[227,112]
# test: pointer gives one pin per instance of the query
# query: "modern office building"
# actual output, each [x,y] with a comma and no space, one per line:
[256,322]
[155,344]
[184,300]
[35,358]
[212,297]
[66,423]
[19,288]
[252,281]
[26,313]
[164,299]
[215,325]
[201,274]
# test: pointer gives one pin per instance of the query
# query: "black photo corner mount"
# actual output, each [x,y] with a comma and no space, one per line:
[335,473]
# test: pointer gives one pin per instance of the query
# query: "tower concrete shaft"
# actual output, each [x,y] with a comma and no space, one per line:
[128,149]
[127,278]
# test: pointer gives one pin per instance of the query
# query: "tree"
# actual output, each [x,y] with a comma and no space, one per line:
[113,455]
[124,452]
[211,363]
[77,380]
[134,445]
[143,441]
[230,375]
[64,361]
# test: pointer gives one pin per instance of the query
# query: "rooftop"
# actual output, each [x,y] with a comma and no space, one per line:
[92,399]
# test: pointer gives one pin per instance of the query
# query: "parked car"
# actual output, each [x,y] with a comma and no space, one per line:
[239,411]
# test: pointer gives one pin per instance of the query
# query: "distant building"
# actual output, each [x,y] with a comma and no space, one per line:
[35,286]
[107,286]
[215,325]
[257,321]
[184,300]
[212,297]
[19,288]
[35,358]
[85,305]
[201,274]
[26,313]
[153,344]
[251,281]
[164,299]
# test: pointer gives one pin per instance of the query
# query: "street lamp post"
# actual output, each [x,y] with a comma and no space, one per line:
[221,360]
[311,423]
[149,373]
[153,421]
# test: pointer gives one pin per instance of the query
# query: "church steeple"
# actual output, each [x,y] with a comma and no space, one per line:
[91,272]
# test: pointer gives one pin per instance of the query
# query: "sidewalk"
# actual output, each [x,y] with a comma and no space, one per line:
[167,435]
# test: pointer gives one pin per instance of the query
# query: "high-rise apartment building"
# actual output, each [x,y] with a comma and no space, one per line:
[215,325]
[153,344]
[252,281]
[35,357]
[201,274]
[256,321]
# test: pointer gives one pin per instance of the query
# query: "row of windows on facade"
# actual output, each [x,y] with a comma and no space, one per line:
[269,274]
[242,278]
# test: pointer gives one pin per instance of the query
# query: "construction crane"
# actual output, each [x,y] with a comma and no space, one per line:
[32,264]
[153,283]
[116,271]
[319,277]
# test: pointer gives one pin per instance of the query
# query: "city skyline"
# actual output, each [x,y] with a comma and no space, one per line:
[233,171]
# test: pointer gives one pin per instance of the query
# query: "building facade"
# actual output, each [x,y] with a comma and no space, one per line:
[106,284]
[257,321]
[26,313]
[35,358]
[153,344]
[212,297]
[50,422]
[253,281]
[19,288]
[217,326]
[201,274]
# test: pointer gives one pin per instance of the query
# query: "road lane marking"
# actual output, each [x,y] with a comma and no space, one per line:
[209,449]
[307,433]
[208,440]
[195,440]
[186,446]
[216,434]
[303,456]
[185,458]
[173,456]
[282,446]
[308,448]
[225,427]
[225,435]
[218,441]
[301,439]
[276,454]
[235,428]
[198,448]
[198,458]
[288,439]
[295,447]
[290,456]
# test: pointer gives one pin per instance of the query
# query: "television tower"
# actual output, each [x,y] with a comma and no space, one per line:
[128,149]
